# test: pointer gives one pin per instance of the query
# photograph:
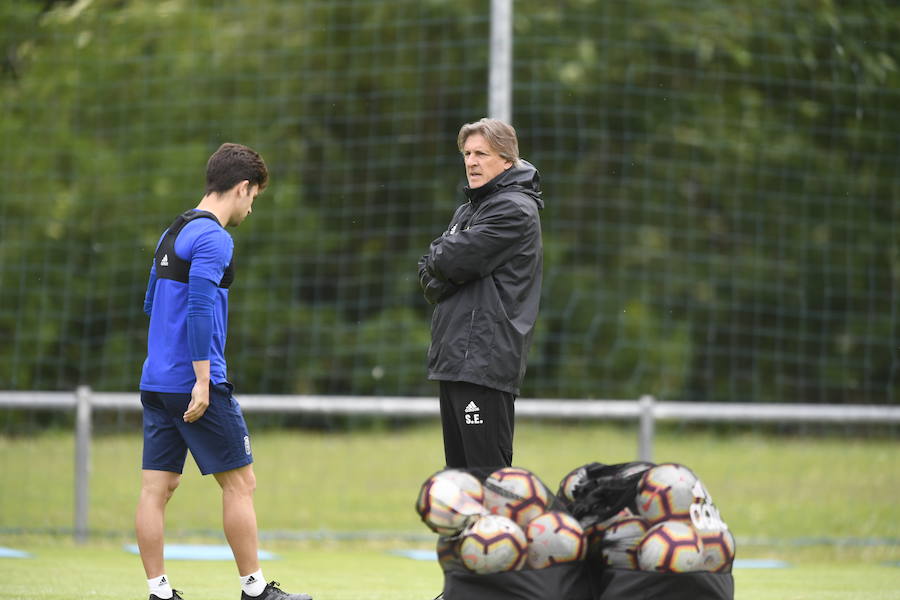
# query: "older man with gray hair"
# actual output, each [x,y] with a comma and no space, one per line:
[483,274]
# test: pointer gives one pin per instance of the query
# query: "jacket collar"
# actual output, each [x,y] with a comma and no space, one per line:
[523,177]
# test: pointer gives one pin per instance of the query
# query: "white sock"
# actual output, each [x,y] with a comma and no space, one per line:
[253,584]
[160,587]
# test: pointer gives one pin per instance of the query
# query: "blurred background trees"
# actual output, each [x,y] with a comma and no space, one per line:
[721,185]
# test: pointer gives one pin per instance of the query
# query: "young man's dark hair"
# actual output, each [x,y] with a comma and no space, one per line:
[233,163]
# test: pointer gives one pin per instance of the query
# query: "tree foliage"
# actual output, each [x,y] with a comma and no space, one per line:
[721,187]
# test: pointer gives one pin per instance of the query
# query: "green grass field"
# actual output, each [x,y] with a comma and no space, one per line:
[826,505]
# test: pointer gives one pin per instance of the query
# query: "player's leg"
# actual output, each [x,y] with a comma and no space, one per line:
[239,522]
[220,445]
[164,454]
[149,522]
[239,517]
[454,452]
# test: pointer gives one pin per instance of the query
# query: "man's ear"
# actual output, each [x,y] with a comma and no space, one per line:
[242,188]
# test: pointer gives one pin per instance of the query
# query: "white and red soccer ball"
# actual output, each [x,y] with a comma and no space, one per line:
[515,493]
[718,550]
[447,550]
[671,547]
[553,538]
[570,482]
[466,482]
[493,544]
[618,541]
[449,500]
[666,493]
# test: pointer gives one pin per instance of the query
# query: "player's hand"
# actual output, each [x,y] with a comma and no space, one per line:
[199,402]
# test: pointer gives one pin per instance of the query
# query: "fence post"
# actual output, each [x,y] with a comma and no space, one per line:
[646,429]
[82,461]
[500,61]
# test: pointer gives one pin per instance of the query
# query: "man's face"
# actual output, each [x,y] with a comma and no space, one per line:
[482,162]
[243,203]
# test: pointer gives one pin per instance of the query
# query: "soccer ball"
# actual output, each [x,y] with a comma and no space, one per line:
[444,505]
[601,526]
[718,550]
[554,537]
[492,544]
[636,467]
[618,542]
[572,480]
[516,494]
[671,547]
[593,530]
[666,492]
[448,553]
[466,482]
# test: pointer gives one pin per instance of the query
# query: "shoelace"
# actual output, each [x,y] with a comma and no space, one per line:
[273,586]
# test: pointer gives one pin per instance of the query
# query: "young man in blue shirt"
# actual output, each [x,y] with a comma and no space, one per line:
[186,396]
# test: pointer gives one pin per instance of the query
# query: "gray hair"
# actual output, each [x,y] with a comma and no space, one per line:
[501,137]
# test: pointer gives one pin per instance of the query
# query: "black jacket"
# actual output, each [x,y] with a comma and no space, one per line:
[484,275]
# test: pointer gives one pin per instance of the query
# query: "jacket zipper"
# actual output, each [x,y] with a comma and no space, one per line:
[469,337]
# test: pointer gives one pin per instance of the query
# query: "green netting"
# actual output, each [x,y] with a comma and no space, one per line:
[721,186]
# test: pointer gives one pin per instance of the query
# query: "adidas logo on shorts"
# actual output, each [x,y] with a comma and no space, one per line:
[473,414]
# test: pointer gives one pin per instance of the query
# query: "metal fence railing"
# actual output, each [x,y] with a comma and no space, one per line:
[646,410]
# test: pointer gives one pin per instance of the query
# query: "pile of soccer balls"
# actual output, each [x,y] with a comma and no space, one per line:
[671,525]
[511,521]
[504,524]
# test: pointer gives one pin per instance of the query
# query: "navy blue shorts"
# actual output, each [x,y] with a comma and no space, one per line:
[218,440]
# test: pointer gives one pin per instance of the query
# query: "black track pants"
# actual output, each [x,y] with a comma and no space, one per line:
[478,425]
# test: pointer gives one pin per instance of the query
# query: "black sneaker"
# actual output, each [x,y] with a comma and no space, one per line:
[273,592]
[176,595]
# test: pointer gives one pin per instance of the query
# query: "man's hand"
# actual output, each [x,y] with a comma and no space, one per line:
[199,402]
[435,290]
[438,291]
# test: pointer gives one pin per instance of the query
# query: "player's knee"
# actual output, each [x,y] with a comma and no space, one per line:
[248,483]
[168,487]
[160,488]
[242,483]
[172,485]
[239,481]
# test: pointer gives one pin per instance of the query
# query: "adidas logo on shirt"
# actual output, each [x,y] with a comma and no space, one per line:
[472,407]
[165,261]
